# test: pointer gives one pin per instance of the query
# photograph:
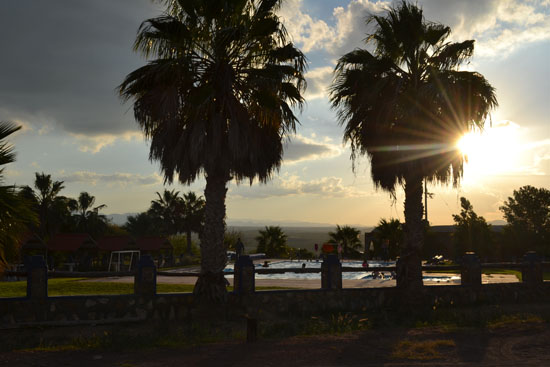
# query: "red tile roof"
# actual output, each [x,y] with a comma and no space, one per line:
[71,242]
[116,243]
[153,244]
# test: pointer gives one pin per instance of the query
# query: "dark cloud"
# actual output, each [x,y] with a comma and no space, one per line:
[63,59]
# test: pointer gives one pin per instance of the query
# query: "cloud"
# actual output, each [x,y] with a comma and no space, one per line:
[316,34]
[301,148]
[94,143]
[499,26]
[283,186]
[64,60]
[318,81]
[122,179]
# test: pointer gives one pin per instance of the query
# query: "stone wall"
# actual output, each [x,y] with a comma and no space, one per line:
[17,312]
[145,304]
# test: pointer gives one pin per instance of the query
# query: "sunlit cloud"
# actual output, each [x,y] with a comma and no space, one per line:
[301,149]
[318,81]
[292,185]
[94,144]
[122,179]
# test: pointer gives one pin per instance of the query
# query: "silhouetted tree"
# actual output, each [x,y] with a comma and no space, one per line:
[348,237]
[404,105]
[392,232]
[528,215]
[142,224]
[272,242]
[192,209]
[167,211]
[87,217]
[54,210]
[472,233]
[15,211]
[217,101]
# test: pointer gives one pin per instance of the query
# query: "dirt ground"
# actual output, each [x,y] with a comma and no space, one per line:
[525,344]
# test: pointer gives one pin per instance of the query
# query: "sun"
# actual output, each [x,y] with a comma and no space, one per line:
[492,151]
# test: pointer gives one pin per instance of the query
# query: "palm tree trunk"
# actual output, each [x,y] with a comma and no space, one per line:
[211,284]
[414,235]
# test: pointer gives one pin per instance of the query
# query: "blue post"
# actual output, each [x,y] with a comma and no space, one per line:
[243,280]
[145,280]
[37,278]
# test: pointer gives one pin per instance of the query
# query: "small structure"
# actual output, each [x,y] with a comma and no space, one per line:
[78,250]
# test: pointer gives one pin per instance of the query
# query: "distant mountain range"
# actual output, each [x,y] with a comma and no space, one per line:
[121,219]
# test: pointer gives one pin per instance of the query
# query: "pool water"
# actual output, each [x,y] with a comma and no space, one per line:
[361,273]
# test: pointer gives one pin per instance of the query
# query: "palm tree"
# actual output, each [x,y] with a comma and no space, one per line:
[87,216]
[272,242]
[348,237]
[193,216]
[404,105]
[15,212]
[167,210]
[217,101]
[142,224]
[53,210]
[390,232]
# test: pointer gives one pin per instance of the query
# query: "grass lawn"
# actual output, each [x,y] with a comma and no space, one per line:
[76,287]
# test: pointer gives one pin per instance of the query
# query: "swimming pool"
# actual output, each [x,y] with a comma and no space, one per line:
[361,273]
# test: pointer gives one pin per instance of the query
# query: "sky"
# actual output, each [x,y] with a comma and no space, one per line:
[63,59]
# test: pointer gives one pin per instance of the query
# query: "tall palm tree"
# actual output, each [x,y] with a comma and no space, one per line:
[53,210]
[272,242]
[217,101]
[193,215]
[15,211]
[348,237]
[404,105]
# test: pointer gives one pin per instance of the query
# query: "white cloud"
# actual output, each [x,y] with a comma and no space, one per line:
[301,149]
[281,186]
[318,80]
[316,34]
[499,26]
[122,179]
[94,144]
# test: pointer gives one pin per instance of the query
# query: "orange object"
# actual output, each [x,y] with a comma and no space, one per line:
[328,248]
